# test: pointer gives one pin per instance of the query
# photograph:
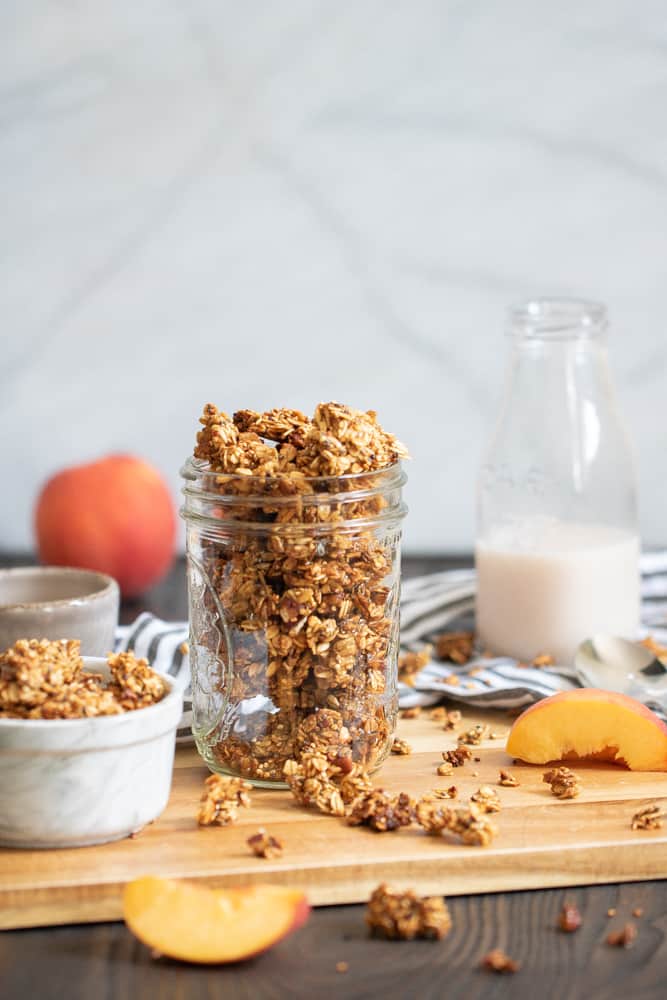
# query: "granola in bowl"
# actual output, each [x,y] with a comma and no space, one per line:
[293,529]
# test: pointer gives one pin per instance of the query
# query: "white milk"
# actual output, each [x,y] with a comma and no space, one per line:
[544,586]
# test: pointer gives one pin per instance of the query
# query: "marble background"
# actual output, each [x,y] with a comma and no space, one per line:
[271,203]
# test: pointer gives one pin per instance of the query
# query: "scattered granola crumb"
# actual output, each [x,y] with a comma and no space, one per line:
[440,793]
[637,912]
[543,660]
[409,664]
[474,736]
[565,784]
[625,938]
[401,747]
[570,918]
[487,799]
[342,966]
[382,812]
[478,760]
[404,915]
[221,799]
[454,646]
[507,779]
[452,719]
[470,685]
[648,818]
[456,757]
[184,648]
[444,769]
[468,823]
[438,714]
[452,680]
[611,912]
[265,845]
[475,774]
[497,961]
[411,713]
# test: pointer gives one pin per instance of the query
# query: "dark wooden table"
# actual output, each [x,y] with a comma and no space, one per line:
[104,962]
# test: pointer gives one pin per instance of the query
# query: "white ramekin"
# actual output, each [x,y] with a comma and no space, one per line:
[74,782]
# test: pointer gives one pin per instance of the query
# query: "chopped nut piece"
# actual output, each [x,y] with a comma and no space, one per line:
[221,799]
[569,919]
[508,779]
[469,824]
[497,961]
[401,747]
[404,915]
[487,799]
[625,938]
[411,713]
[342,966]
[382,812]
[264,845]
[456,757]
[648,818]
[543,660]
[444,769]
[455,646]
[565,784]
[473,737]
[409,664]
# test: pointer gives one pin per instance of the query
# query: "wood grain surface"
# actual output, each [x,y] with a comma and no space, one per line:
[542,841]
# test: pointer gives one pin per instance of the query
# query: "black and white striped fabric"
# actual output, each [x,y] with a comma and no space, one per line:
[429,605]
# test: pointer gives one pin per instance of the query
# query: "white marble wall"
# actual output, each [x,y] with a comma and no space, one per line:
[279,202]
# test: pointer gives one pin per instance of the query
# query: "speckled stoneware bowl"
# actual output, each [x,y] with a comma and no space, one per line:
[75,782]
[54,602]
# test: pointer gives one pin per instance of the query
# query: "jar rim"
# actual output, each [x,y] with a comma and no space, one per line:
[558,318]
[195,469]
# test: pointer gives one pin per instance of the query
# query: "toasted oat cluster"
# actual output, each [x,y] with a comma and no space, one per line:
[508,779]
[310,608]
[44,679]
[487,799]
[330,783]
[565,784]
[468,823]
[410,663]
[497,961]
[265,845]
[382,812]
[474,736]
[405,916]
[401,748]
[221,799]
[457,757]
[648,818]
[455,646]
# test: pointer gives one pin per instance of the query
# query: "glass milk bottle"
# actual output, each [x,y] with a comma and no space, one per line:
[557,551]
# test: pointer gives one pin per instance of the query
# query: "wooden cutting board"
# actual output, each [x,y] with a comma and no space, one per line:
[541,842]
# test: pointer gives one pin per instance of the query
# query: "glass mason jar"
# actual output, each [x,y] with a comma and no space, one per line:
[294,603]
[557,551]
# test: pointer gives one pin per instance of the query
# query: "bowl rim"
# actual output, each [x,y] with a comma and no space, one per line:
[174,693]
[107,585]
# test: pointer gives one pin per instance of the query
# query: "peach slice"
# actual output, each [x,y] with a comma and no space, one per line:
[589,723]
[196,924]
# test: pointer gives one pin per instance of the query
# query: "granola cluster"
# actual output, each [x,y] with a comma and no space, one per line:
[44,679]
[466,823]
[565,784]
[294,594]
[382,812]
[404,915]
[265,845]
[648,818]
[330,783]
[221,799]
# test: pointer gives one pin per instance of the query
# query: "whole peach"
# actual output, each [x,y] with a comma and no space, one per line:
[115,515]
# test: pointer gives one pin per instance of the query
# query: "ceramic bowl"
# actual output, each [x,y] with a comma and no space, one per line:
[54,602]
[74,782]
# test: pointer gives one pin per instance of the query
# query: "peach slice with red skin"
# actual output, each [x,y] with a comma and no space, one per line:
[193,923]
[590,723]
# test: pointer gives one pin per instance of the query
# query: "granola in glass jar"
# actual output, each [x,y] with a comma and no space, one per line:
[293,532]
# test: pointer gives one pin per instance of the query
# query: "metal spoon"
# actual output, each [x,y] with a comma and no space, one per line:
[616,664]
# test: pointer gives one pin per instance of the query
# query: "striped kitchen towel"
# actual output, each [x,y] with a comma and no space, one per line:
[429,605]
